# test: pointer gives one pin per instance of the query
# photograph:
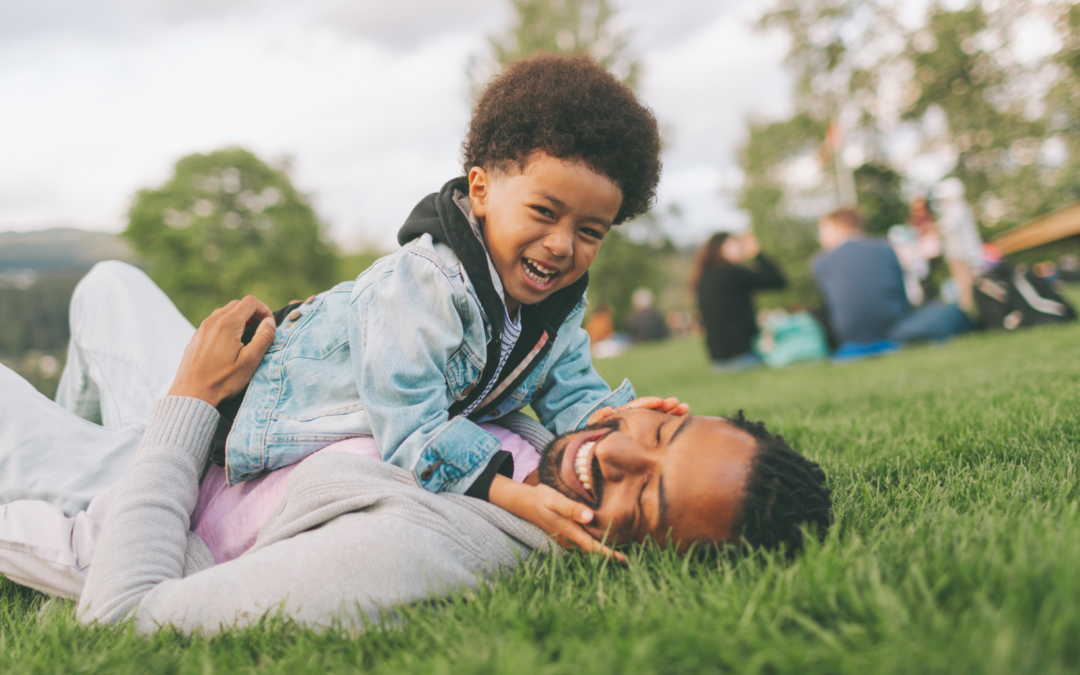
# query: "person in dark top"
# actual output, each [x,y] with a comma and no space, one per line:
[863,287]
[725,288]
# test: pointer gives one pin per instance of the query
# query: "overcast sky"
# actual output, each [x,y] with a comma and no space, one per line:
[370,100]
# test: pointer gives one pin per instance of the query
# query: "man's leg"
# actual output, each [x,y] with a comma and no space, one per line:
[48,551]
[127,339]
[55,468]
[934,321]
[49,454]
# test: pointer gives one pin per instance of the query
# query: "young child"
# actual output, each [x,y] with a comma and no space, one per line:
[479,314]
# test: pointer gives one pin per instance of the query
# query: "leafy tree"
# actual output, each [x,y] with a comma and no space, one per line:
[999,123]
[956,81]
[880,197]
[559,27]
[622,267]
[776,213]
[35,318]
[225,225]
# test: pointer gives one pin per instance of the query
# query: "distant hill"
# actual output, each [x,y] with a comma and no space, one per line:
[60,249]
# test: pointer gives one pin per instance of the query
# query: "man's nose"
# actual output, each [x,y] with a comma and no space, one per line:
[622,457]
[560,243]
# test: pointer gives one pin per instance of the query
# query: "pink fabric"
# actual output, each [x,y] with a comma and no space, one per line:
[229,519]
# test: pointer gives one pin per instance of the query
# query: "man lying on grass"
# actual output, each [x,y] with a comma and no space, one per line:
[346,535]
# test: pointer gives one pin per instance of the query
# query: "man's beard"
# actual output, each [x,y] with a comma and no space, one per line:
[551,465]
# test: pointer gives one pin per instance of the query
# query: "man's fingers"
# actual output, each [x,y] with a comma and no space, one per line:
[586,542]
[569,509]
[253,351]
[247,310]
[601,414]
[216,315]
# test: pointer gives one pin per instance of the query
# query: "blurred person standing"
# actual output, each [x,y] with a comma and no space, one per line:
[725,287]
[645,324]
[960,240]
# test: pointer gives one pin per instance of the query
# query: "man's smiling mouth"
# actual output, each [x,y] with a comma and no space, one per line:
[580,470]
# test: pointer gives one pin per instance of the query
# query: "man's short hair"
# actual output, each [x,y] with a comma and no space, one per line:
[568,107]
[851,218]
[784,493]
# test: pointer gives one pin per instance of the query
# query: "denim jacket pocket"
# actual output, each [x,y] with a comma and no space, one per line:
[462,371]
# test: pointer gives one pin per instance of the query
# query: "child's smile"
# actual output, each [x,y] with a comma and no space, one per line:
[543,226]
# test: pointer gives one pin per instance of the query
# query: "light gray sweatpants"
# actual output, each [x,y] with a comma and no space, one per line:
[57,460]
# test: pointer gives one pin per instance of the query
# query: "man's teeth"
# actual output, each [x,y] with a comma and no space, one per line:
[581,464]
[538,272]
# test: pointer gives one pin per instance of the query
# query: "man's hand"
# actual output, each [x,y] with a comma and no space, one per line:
[551,511]
[670,406]
[216,364]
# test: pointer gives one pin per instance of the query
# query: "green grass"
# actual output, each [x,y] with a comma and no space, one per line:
[956,547]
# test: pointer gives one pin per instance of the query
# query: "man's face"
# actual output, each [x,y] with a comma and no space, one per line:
[543,225]
[646,474]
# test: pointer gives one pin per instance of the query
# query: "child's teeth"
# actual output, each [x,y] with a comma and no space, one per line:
[537,272]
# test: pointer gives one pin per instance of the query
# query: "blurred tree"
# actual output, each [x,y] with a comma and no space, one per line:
[622,267]
[35,318]
[559,27]
[839,51]
[225,225]
[880,197]
[957,81]
[1010,121]
[785,232]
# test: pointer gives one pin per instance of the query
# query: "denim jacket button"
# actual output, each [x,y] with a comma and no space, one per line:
[309,300]
[427,473]
[294,316]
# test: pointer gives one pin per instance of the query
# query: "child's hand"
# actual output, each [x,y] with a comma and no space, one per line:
[671,406]
[552,512]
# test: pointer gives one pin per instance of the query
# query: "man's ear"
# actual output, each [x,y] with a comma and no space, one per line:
[479,190]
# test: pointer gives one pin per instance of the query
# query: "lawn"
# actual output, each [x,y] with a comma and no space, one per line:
[956,547]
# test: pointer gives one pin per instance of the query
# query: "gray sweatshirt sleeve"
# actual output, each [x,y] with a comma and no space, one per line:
[399,546]
[144,539]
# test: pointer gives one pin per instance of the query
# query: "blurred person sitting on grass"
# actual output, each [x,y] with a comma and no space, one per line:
[341,536]
[862,284]
[645,323]
[725,287]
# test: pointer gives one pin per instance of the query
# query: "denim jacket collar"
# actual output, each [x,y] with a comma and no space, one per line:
[440,216]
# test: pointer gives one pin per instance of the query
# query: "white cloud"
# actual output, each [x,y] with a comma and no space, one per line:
[370,101]
[703,88]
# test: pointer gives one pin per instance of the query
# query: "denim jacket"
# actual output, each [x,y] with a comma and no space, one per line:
[398,352]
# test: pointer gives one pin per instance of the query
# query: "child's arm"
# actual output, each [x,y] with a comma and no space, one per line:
[413,346]
[574,393]
[573,390]
[552,512]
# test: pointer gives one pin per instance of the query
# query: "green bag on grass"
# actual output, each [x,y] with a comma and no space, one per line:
[790,338]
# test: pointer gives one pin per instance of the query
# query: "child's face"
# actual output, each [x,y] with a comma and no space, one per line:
[543,226]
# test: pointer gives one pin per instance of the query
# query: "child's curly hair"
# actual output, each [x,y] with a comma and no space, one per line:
[568,107]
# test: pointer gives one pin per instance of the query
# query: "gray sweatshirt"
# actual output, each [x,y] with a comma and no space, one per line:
[351,537]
